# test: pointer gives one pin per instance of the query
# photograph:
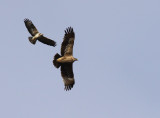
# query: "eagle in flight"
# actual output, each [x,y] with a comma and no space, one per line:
[36,35]
[66,59]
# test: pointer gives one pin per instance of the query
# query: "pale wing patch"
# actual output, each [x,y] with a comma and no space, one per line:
[68,83]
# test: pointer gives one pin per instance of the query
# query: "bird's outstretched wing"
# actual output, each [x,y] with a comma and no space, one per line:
[47,41]
[30,26]
[67,75]
[68,42]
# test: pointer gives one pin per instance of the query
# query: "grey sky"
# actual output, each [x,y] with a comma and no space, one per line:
[118,47]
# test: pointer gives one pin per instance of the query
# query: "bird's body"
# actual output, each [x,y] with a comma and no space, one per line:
[36,35]
[66,59]
[35,38]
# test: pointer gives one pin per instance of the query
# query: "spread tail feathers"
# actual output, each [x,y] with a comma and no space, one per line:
[55,63]
[31,40]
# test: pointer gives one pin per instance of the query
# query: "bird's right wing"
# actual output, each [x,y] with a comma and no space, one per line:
[67,75]
[47,41]
[30,26]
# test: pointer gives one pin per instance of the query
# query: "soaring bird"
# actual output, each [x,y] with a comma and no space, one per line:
[66,59]
[36,35]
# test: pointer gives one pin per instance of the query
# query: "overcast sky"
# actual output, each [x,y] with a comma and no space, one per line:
[118,47]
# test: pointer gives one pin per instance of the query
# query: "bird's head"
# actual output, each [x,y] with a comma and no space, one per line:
[40,34]
[75,59]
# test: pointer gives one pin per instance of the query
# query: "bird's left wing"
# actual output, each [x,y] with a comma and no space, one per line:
[30,26]
[47,41]
[67,75]
[68,42]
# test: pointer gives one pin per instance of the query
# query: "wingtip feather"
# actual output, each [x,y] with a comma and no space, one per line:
[67,88]
[69,30]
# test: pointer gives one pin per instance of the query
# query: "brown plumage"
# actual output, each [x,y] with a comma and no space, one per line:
[36,35]
[66,59]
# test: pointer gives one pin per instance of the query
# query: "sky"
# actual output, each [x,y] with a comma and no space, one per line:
[117,74]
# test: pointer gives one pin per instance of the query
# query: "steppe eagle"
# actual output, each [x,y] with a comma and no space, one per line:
[66,59]
[36,35]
